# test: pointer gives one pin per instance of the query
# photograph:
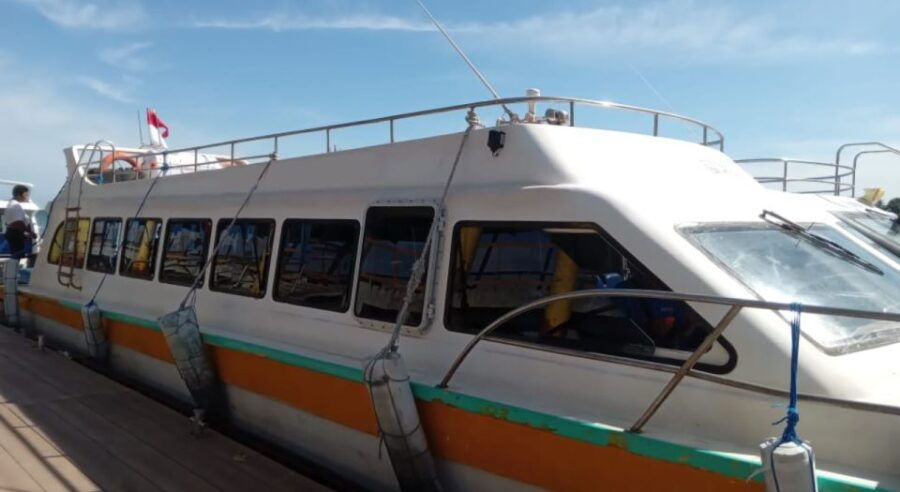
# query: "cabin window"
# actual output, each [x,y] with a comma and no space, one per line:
[139,251]
[104,247]
[242,261]
[497,267]
[184,250]
[75,243]
[393,240]
[315,263]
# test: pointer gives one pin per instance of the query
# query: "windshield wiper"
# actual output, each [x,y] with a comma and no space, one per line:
[819,241]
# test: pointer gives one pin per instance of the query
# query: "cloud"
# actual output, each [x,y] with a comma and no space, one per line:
[699,31]
[694,30]
[89,15]
[285,22]
[127,57]
[106,89]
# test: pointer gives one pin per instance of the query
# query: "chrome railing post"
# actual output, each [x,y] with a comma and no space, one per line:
[196,151]
[784,178]
[685,368]
[327,140]
[655,124]
[571,113]
[705,137]
[391,121]
[232,153]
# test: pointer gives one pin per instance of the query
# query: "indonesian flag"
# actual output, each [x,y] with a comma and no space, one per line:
[158,129]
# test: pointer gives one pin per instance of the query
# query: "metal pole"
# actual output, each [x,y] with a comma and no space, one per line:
[655,124]
[784,180]
[685,368]
[571,113]
[705,138]
[392,130]
[195,159]
[327,140]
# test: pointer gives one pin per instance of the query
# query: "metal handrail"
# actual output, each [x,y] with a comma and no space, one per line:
[785,180]
[711,136]
[686,369]
[883,148]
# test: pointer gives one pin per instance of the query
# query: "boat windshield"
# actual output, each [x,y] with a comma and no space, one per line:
[782,265]
[882,229]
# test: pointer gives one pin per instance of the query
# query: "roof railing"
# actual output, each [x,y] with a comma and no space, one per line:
[841,177]
[831,182]
[707,135]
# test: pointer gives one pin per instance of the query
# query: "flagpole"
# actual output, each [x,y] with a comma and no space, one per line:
[140,128]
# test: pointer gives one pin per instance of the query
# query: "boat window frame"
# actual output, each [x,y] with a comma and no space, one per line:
[165,249]
[351,283]
[151,267]
[430,281]
[54,245]
[119,237]
[726,368]
[222,225]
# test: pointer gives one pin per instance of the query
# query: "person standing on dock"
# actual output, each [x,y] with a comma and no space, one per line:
[18,224]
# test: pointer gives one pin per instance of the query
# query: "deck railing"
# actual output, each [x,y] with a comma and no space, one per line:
[832,181]
[706,134]
[840,177]
[735,305]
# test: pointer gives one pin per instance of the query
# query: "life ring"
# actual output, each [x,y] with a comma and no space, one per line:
[107,161]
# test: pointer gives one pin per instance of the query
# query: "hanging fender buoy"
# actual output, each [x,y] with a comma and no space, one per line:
[398,423]
[94,335]
[182,333]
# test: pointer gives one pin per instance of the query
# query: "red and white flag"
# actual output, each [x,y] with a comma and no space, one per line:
[158,129]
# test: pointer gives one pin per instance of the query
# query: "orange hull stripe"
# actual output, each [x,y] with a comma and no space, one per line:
[516,451]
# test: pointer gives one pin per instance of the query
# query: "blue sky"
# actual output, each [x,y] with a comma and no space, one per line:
[783,78]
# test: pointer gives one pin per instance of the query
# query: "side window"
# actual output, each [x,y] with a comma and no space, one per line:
[76,243]
[184,250]
[315,263]
[241,265]
[104,246]
[139,251]
[497,267]
[393,240]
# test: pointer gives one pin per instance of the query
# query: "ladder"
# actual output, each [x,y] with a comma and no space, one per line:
[69,247]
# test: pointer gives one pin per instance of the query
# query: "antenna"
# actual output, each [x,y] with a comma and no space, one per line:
[140,127]
[466,59]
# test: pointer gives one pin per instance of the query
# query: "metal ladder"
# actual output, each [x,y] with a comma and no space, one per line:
[65,273]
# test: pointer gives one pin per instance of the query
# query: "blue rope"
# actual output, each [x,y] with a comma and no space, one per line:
[793,415]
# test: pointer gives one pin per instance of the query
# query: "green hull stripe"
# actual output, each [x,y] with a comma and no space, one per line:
[722,463]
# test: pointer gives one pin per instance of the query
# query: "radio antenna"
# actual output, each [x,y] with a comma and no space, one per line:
[466,59]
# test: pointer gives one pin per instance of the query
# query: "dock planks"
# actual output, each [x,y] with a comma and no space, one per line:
[66,428]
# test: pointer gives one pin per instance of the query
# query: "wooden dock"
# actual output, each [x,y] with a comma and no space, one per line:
[64,427]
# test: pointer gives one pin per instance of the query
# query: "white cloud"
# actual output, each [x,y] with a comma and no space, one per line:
[76,14]
[40,119]
[127,57]
[678,30]
[284,22]
[110,91]
[692,30]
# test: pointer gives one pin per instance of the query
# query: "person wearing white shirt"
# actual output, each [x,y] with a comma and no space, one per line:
[18,223]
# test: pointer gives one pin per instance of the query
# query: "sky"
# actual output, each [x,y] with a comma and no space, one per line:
[779,78]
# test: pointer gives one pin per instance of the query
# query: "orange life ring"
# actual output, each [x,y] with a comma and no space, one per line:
[107,161]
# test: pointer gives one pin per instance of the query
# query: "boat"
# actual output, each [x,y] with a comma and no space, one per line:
[598,309]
